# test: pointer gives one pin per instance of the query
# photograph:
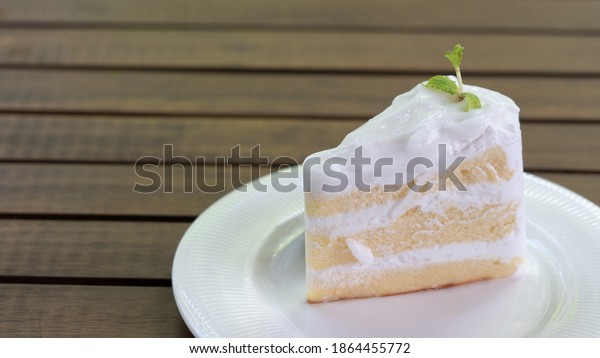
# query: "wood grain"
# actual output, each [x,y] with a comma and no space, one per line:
[89,311]
[561,146]
[117,138]
[557,146]
[89,249]
[288,94]
[107,190]
[375,14]
[303,51]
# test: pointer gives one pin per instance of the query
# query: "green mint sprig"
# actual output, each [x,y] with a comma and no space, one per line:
[446,85]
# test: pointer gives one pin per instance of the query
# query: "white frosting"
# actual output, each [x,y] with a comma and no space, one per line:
[361,252]
[504,250]
[413,126]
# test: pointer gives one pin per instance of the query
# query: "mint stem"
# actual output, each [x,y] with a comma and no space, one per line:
[460,84]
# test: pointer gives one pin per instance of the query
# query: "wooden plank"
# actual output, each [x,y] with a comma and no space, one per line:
[85,249]
[585,185]
[89,311]
[561,146]
[107,190]
[555,146]
[253,50]
[288,94]
[375,14]
[102,138]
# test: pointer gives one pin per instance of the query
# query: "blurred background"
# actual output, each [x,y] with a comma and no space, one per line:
[88,87]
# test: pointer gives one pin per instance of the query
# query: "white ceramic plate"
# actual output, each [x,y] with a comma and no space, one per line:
[239,272]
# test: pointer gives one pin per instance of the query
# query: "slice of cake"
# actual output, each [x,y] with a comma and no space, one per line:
[425,195]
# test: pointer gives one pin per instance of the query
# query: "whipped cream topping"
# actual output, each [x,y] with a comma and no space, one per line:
[414,126]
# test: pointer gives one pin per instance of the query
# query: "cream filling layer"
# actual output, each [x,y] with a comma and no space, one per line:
[505,249]
[352,222]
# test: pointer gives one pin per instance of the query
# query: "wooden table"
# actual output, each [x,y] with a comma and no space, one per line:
[88,87]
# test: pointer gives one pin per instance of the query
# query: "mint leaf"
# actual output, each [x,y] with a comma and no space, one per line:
[455,55]
[472,100]
[443,84]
